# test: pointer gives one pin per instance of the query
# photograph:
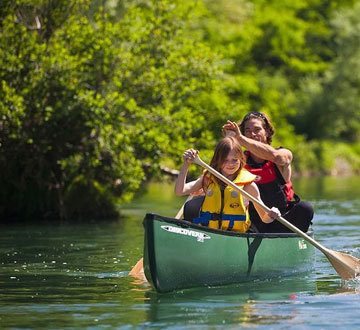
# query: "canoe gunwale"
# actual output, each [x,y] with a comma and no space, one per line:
[186,224]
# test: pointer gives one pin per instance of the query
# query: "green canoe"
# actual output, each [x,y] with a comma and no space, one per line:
[179,254]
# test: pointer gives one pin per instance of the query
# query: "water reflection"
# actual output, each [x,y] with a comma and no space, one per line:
[252,303]
[258,303]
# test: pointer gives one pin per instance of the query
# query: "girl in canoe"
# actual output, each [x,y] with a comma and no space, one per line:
[223,207]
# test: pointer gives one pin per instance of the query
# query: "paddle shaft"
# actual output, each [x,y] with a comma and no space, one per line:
[286,223]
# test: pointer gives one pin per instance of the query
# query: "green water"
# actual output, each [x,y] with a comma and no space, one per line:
[74,276]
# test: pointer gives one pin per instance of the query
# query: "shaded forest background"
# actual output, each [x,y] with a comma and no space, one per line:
[98,97]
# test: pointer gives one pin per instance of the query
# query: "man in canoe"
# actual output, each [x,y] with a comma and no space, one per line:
[223,207]
[272,167]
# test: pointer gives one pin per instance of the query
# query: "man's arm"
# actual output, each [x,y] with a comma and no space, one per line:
[262,151]
[281,157]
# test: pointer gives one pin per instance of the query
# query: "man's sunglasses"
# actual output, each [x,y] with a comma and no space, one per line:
[257,114]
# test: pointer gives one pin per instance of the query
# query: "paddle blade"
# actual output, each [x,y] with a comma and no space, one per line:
[138,268]
[347,266]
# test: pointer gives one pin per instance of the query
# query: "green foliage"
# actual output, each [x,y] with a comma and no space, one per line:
[96,95]
[87,102]
[273,51]
[331,102]
[321,156]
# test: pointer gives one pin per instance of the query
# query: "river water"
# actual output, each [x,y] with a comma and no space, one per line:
[74,275]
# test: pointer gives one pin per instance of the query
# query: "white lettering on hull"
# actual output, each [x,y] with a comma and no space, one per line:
[200,237]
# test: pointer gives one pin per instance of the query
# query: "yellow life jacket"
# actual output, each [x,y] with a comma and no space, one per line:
[225,209]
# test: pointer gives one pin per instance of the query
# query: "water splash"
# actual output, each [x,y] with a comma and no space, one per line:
[353,285]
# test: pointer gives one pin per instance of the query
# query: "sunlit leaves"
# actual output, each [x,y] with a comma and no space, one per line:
[97,98]
[102,103]
[331,108]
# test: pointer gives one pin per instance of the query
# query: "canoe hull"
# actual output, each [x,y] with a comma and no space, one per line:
[179,255]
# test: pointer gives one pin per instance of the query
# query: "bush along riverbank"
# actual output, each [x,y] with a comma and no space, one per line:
[97,99]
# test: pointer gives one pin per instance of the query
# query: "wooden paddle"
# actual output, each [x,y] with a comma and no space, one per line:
[138,269]
[346,266]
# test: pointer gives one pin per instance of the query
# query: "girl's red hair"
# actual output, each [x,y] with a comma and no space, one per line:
[222,150]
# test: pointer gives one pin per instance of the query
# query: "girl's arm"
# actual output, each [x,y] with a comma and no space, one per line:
[266,217]
[181,187]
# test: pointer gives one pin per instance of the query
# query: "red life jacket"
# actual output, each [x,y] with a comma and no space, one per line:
[274,191]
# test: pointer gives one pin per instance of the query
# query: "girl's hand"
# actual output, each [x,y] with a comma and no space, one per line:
[189,156]
[231,129]
[274,213]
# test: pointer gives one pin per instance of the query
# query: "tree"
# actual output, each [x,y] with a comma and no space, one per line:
[90,107]
[331,103]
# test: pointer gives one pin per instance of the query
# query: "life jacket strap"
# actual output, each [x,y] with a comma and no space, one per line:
[205,217]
